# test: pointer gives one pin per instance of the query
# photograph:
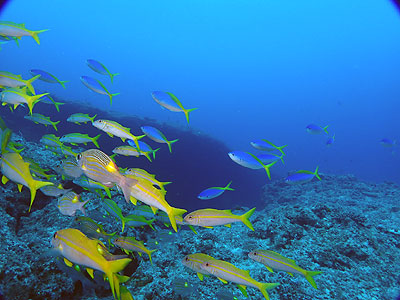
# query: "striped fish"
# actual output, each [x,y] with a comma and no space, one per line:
[69,203]
[129,244]
[145,191]
[273,260]
[70,168]
[194,262]
[225,272]
[98,166]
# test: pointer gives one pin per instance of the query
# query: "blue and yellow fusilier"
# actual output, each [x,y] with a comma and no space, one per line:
[97,87]
[302,176]
[100,68]
[47,77]
[157,136]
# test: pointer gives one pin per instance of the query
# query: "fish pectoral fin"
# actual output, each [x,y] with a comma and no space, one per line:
[19,187]
[110,134]
[68,263]
[228,225]
[208,227]
[269,269]
[154,209]
[223,280]
[75,144]
[291,274]
[133,200]
[140,253]
[123,139]
[242,288]
[4,179]
[126,251]
[90,272]
[201,276]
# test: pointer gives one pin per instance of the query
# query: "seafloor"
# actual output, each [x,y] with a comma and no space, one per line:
[344,227]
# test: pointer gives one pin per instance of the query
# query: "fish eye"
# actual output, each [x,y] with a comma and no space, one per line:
[186,258]
[207,264]
[55,235]
[79,156]
[254,253]
[100,121]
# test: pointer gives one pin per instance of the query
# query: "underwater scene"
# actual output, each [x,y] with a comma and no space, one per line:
[213,149]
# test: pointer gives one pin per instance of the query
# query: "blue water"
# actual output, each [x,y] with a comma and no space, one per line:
[256,69]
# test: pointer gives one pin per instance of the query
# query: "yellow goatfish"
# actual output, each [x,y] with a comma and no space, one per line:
[14,168]
[145,191]
[273,260]
[194,262]
[98,166]
[210,217]
[79,249]
[225,272]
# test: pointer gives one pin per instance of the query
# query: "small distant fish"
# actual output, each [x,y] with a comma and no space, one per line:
[183,288]
[79,118]
[49,100]
[79,138]
[11,80]
[47,77]
[144,149]
[273,260]
[129,244]
[113,128]
[54,190]
[266,145]
[302,176]
[126,150]
[214,192]
[170,102]
[50,140]
[210,217]
[139,221]
[40,119]
[388,143]
[100,68]
[268,158]
[316,129]
[250,161]
[93,229]
[69,203]
[194,262]
[91,184]
[97,87]
[114,210]
[157,136]
[225,272]
[330,140]
[12,29]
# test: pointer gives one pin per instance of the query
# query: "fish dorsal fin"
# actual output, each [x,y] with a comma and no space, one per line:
[228,211]
[201,276]
[90,272]
[288,260]
[60,186]
[68,263]
[20,187]
[223,280]
[4,179]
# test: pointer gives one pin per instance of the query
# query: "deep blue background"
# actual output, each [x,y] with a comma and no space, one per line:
[256,69]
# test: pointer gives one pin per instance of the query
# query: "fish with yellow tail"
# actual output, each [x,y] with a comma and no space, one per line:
[225,272]
[11,80]
[210,217]
[194,262]
[11,29]
[77,248]
[98,166]
[14,168]
[273,260]
[145,192]
[17,96]
[113,128]
[41,119]
[129,244]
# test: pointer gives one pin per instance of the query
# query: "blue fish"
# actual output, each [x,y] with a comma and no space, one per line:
[315,129]
[100,68]
[265,145]
[97,87]
[144,149]
[302,176]
[250,161]
[47,77]
[389,143]
[330,140]
[214,192]
[157,136]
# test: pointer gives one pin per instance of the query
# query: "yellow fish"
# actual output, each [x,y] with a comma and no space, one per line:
[11,80]
[14,168]
[210,217]
[225,272]
[194,262]
[79,249]
[131,244]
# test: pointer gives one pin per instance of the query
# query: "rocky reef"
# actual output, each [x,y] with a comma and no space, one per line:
[345,228]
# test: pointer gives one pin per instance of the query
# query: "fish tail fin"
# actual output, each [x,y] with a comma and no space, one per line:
[126,184]
[279,148]
[114,267]
[92,118]
[172,213]
[82,209]
[94,140]
[147,156]
[266,167]
[149,254]
[228,187]
[245,218]
[316,173]
[34,187]
[325,129]
[28,83]
[170,143]
[111,96]
[35,35]
[154,152]
[264,286]
[33,100]
[54,125]
[57,105]
[309,276]
[63,82]
[281,157]
[187,111]
[112,76]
